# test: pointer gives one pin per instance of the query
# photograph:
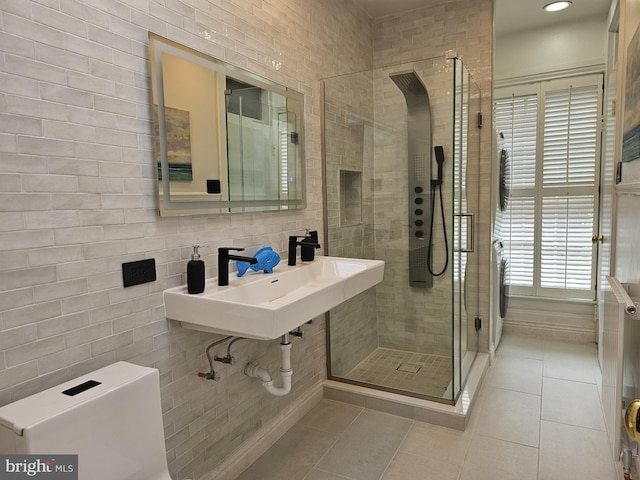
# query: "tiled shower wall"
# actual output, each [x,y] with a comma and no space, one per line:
[78,198]
[409,318]
[463,27]
[406,318]
[398,316]
[349,130]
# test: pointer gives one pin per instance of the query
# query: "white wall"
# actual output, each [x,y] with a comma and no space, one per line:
[555,48]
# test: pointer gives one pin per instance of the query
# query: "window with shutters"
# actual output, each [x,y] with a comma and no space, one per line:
[551,132]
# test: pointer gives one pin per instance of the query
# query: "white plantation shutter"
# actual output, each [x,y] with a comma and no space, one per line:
[518,241]
[283,135]
[516,119]
[569,188]
[566,250]
[460,227]
[552,214]
[570,129]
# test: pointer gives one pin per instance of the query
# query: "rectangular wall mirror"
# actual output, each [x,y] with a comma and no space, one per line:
[227,140]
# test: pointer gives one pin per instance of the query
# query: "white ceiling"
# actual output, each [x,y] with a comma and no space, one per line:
[511,15]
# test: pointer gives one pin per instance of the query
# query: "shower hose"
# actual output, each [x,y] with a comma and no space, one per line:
[437,185]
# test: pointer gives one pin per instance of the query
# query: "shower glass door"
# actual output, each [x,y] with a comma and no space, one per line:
[258,142]
[465,198]
[386,133]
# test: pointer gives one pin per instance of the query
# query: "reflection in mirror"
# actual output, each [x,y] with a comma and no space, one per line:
[226,140]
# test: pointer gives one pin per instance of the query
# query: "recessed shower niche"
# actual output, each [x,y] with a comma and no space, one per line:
[350,183]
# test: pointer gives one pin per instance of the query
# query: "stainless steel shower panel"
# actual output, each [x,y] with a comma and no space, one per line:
[419,174]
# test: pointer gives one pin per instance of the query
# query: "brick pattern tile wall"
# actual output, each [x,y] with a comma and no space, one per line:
[78,198]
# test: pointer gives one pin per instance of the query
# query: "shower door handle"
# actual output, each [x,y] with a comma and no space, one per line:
[470,226]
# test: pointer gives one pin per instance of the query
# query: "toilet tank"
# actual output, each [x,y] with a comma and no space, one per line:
[111,418]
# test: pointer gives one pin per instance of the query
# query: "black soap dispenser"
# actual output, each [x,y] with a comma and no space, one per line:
[308,246]
[195,272]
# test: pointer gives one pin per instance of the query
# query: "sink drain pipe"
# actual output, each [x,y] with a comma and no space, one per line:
[255,371]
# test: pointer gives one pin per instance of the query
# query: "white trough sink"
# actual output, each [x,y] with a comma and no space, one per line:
[266,306]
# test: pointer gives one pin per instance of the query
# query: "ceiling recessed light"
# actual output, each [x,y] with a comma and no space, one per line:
[556,6]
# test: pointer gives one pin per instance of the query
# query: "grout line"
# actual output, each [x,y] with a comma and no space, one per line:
[333,474]
[540,425]
[395,454]
[362,409]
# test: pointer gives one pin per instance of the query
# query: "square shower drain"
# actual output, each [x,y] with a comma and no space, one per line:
[409,367]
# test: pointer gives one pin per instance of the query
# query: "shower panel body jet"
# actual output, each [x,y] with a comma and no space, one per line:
[419,134]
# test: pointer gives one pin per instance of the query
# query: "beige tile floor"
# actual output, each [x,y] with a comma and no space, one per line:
[538,417]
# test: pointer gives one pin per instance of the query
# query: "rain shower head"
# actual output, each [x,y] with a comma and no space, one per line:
[409,83]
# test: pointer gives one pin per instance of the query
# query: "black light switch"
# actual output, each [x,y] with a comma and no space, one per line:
[142,271]
[213,186]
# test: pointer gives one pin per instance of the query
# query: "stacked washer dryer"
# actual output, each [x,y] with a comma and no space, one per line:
[499,252]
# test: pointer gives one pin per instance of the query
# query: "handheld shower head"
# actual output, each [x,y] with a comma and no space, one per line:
[439,151]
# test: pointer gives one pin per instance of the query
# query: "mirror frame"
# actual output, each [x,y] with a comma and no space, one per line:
[201,205]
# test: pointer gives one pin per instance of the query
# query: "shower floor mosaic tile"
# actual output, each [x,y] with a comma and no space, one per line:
[409,371]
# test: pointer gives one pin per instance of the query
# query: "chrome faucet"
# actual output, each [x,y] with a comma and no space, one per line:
[223,263]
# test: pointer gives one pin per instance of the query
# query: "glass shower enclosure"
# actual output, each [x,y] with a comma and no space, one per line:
[401,150]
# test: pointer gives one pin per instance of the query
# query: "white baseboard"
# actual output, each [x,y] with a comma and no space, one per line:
[568,333]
